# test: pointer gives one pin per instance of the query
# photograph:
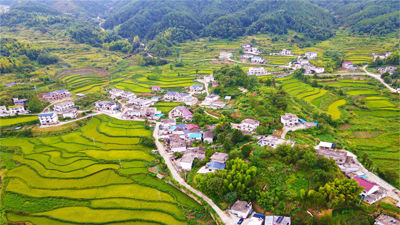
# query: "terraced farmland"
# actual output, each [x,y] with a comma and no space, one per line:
[333,109]
[12,121]
[84,84]
[71,179]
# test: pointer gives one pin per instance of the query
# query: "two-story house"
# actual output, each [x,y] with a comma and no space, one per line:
[274,142]
[59,107]
[249,125]
[289,120]
[14,109]
[257,71]
[56,95]
[49,118]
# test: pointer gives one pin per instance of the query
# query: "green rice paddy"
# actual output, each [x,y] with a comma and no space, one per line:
[12,121]
[105,181]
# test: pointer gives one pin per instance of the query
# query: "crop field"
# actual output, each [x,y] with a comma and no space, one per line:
[82,181]
[165,107]
[84,83]
[333,109]
[312,97]
[380,113]
[12,121]
[379,104]
[363,92]
[366,134]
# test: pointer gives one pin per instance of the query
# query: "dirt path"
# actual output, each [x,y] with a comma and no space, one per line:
[378,77]
[225,217]
[287,129]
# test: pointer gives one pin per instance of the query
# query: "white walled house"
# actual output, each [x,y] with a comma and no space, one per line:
[225,55]
[372,192]
[217,105]
[319,69]
[289,120]
[59,107]
[196,88]
[167,123]
[14,109]
[212,98]
[71,113]
[311,55]
[48,118]
[257,59]
[209,78]
[286,52]
[241,208]
[303,62]
[274,142]
[3,109]
[257,71]
[115,93]
[171,95]
[249,125]
[105,105]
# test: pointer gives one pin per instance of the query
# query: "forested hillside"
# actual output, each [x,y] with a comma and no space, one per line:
[221,19]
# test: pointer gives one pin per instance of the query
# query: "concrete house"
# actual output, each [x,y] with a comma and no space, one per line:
[71,113]
[217,105]
[59,107]
[155,88]
[257,71]
[3,109]
[372,192]
[196,88]
[249,125]
[141,102]
[319,69]
[219,157]
[17,101]
[289,120]
[167,123]
[208,137]
[105,105]
[225,55]
[274,142]
[171,95]
[347,65]
[339,156]
[56,95]
[241,209]
[48,118]
[182,111]
[246,46]
[177,144]
[14,109]
[257,59]
[303,62]
[128,95]
[384,219]
[246,56]
[209,78]
[311,55]
[212,98]
[114,93]
[286,52]
[325,145]
[277,220]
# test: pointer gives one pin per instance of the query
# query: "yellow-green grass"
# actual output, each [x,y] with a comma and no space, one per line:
[58,158]
[375,98]
[291,85]
[379,104]
[44,160]
[89,88]
[50,140]
[294,92]
[43,172]
[310,98]
[88,215]
[133,191]
[133,164]
[284,78]
[134,204]
[77,138]
[362,92]
[99,179]
[26,146]
[90,131]
[165,107]
[132,87]
[129,132]
[132,171]
[119,154]
[304,94]
[333,108]
[353,81]
[358,85]
[12,121]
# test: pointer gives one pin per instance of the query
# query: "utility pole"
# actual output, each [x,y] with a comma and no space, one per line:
[120,163]
[94,143]
[373,169]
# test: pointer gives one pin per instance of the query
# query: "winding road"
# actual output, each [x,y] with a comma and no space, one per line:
[225,217]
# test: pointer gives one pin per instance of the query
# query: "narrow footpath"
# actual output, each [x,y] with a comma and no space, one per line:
[225,217]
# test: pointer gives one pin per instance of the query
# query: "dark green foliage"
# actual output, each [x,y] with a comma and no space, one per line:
[47,59]
[34,104]
[380,25]
[232,77]
[246,150]
[148,141]
[224,27]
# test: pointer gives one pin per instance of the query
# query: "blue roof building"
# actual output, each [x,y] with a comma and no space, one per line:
[213,165]
[195,135]
[197,85]
[181,125]
[228,97]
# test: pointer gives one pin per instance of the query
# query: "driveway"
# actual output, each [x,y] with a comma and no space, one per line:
[297,127]
[225,216]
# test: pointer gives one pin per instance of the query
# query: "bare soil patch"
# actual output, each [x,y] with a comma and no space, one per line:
[345,127]
[85,71]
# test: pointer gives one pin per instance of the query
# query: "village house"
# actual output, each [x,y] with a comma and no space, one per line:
[219,157]
[311,55]
[208,137]
[3,110]
[114,93]
[19,101]
[246,46]
[186,162]
[303,62]
[225,55]
[195,136]
[177,144]
[167,123]
[389,69]
[274,142]
[289,120]
[196,88]
[246,56]
[128,95]
[190,100]
[277,220]
[105,105]
[155,99]
[71,113]
[319,69]
[209,78]
[59,107]
[338,156]
[286,52]
[56,95]
[255,219]
[257,71]
[249,125]
[155,88]
[132,113]
[141,102]
[214,84]
[251,50]
[384,219]
[182,111]
[171,95]
[372,192]
[148,111]
[257,59]
[348,65]
[49,118]
[325,146]
[14,109]
[217,105]
[241,209]
[211,167]
[296,66]
[212,98]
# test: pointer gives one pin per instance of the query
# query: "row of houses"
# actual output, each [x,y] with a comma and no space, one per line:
[257,71]
[13,110]
[305,64]
[284,52]
[389,69]
[56,95]
[248,49]
[349,66]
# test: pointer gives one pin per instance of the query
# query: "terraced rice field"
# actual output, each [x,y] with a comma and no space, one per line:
[363,92]
[69,179]
[366,134]
[380,113]
[84,83]
[333,109]
[379,104]
[312,97]
[12,121]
